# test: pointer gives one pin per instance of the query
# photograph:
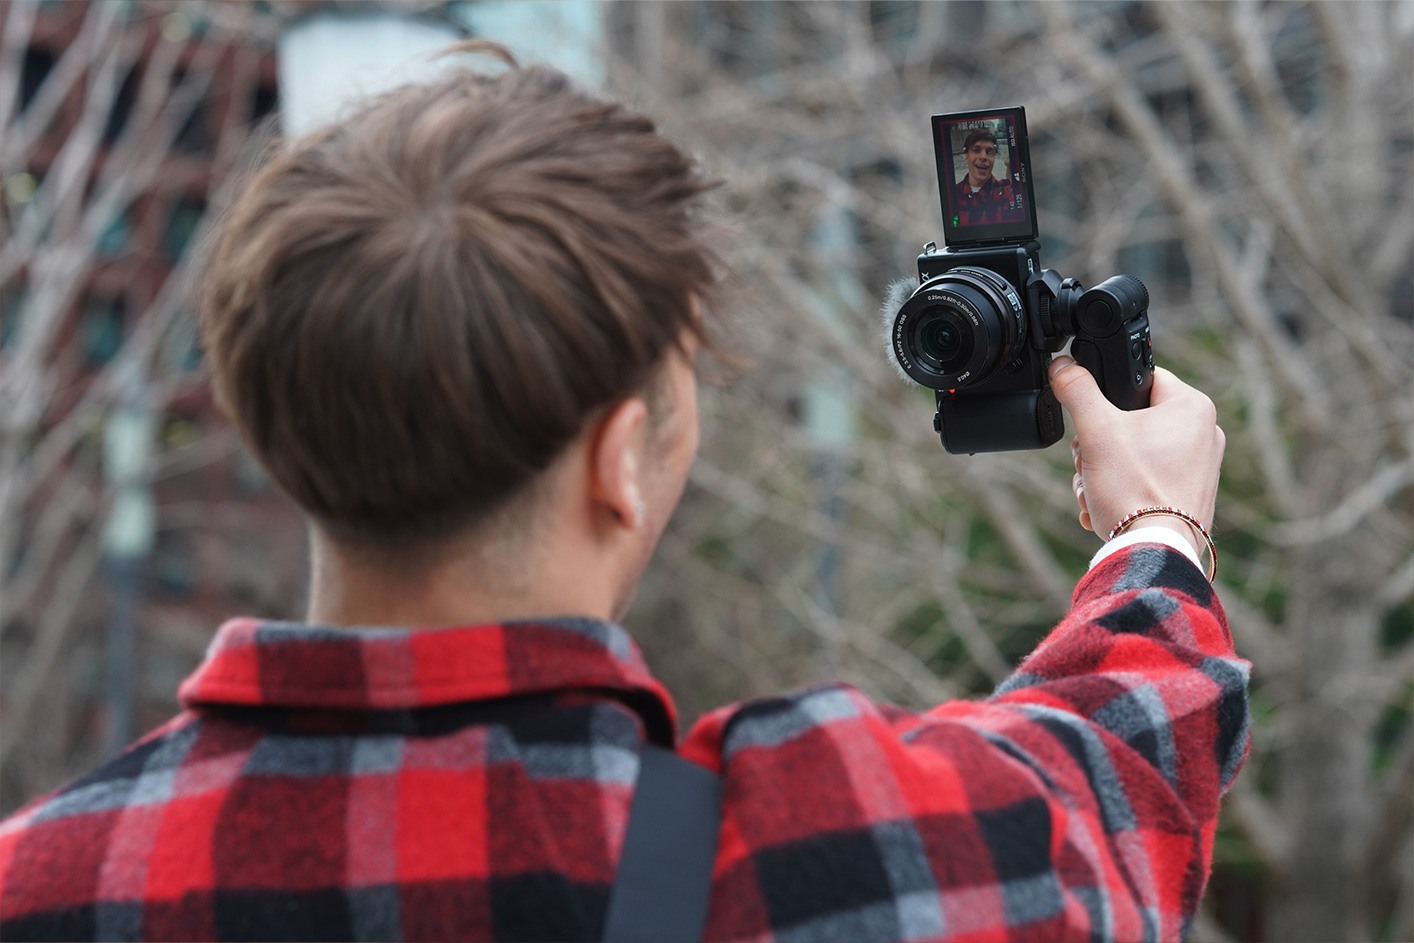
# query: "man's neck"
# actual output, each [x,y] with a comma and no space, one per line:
[471,585]
[433,603]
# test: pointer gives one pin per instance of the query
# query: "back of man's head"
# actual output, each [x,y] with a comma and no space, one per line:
[410,313]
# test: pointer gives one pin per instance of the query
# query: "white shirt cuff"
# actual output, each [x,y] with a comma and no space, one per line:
[1148,535]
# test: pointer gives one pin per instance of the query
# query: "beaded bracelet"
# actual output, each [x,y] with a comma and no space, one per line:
[1184,516]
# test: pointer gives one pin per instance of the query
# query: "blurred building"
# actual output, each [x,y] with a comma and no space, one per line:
[169,94]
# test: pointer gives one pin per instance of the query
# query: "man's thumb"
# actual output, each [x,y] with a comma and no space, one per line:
[1076,389]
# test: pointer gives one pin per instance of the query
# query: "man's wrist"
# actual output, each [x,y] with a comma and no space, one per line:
[1159,530]
[1179,526]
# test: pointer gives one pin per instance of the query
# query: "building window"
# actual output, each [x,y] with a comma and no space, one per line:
[264,102]
[195,134]
[12,304]
[116,238]
[173,568]
[122,107]
[181,349]
[37,65]
[102,329]
[182,224]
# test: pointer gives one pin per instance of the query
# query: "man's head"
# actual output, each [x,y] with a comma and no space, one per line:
[412,314]
[980,153]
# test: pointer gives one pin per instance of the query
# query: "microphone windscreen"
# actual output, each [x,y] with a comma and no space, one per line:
[898,292]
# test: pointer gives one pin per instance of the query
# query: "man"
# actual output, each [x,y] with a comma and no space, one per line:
[458,329]
[979,197]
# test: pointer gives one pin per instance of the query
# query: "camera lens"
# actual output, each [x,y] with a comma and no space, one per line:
[958,328]
[942,343]
[940,339]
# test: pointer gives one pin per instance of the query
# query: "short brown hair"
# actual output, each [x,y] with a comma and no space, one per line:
[981,134]
[411,313]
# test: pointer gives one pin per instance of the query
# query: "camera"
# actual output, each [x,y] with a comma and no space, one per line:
[984,319]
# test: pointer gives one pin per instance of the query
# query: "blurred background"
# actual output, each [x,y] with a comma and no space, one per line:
[1252,162]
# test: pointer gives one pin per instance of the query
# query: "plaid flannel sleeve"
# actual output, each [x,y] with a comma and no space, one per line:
[1078,802]
[1133,713]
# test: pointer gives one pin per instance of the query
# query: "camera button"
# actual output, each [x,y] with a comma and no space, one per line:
[1098,317]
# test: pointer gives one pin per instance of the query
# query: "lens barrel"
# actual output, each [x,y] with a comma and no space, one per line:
[958,328]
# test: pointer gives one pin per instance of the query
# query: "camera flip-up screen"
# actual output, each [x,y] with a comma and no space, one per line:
[984,175]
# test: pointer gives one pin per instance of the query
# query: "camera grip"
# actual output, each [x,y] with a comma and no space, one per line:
[1025,419]
[1121,362]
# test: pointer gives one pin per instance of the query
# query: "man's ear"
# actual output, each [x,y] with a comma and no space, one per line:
[615,462]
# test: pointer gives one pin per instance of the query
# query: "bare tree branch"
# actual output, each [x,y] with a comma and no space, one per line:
[1190,204]
[1377,491]
[49,639]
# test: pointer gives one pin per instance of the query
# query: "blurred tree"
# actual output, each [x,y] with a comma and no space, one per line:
[1252,163]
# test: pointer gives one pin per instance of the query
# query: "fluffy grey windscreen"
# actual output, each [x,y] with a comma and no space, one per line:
[899,292]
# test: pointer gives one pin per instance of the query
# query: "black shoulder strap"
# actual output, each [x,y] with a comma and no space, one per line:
[665,873]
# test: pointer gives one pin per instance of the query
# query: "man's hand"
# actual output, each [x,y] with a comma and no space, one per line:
[1167,454]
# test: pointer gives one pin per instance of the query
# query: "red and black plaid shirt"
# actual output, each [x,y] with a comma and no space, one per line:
[474,783]
[996,201]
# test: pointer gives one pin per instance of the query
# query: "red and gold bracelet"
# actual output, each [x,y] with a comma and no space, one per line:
[1184,516]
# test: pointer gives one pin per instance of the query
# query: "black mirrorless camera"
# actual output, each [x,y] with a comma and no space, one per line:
[981,327]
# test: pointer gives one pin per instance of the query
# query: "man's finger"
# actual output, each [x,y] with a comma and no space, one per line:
[1167,386]
[1077,390]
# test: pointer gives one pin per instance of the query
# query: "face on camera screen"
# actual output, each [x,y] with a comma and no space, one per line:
[983,178]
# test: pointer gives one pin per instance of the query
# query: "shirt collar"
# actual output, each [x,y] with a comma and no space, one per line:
[296,665]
